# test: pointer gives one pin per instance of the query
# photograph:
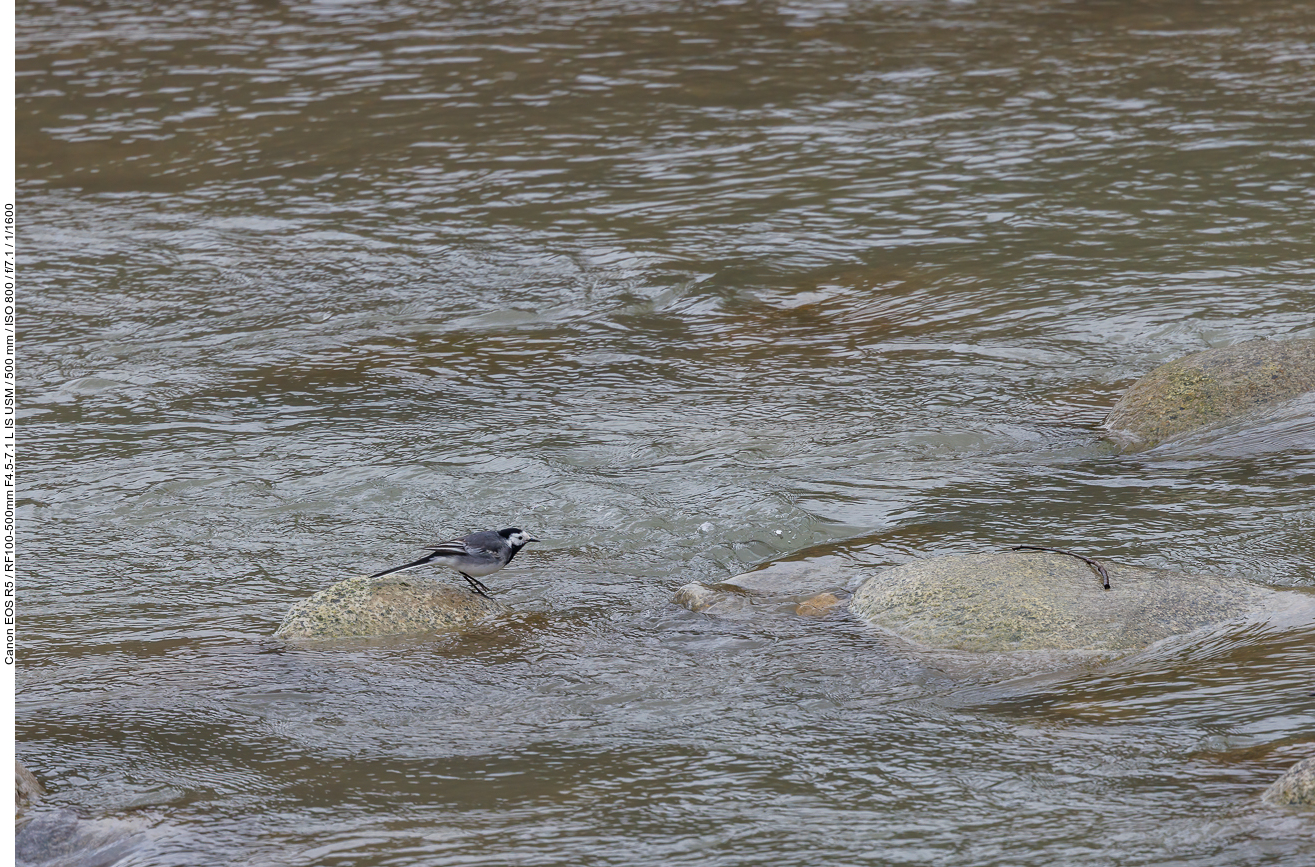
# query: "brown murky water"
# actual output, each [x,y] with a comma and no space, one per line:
[681,288]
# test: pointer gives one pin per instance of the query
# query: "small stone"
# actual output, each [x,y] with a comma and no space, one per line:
[729,602]
[697,597]
[818,606]
[1296,788]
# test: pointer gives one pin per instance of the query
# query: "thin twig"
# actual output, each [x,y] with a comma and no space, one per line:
[1105,576]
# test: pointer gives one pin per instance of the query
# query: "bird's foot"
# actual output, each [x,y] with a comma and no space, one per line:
[476,587]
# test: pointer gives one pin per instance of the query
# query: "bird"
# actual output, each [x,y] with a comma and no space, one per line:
[473,557]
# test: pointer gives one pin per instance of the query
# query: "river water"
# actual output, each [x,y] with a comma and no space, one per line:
[681,288]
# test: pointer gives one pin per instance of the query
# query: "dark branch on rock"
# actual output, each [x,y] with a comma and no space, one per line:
[1105,576]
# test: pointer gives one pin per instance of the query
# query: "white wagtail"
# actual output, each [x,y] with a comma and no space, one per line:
[478,554]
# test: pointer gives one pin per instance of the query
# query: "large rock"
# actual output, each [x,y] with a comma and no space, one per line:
[1296,788]
[1209,387]
[390,605]
[1046,601]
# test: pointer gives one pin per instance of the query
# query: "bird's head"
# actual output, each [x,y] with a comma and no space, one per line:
[516,537]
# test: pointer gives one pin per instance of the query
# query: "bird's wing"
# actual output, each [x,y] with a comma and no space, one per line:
[451,546]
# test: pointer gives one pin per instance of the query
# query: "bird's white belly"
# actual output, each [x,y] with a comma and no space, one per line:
[477,570]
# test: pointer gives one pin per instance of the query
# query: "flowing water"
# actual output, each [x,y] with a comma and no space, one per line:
[681,288]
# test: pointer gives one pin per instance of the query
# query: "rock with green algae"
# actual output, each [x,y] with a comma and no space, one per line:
[1296,788]
[1046,601]
[1206,388]
[388,605]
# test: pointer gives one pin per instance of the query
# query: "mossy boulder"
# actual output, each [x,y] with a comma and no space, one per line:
[1210,387]
[389,605]
[1046,601]
[1296,788]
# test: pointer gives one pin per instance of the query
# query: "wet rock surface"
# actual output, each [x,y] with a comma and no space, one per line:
[1047,601]
[27,790]
[1206,388]
[1296,788]
[389,605]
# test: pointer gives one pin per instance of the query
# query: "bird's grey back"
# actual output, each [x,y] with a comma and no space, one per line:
[484,539]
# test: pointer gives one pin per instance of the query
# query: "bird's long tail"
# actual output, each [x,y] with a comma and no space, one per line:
[422,561]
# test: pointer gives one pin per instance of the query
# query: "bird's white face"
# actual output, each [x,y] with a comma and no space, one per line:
[519,539]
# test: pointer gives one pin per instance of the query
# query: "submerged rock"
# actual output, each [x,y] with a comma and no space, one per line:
[1047,601]
[63,837]
[389,605]
[698,597]
[787,586]
[799,577]
[818,606]
[1296,788]
[1209,387]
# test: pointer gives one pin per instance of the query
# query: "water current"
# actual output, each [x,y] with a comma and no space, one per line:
[681,288]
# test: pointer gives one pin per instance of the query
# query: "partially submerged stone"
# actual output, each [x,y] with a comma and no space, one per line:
[719,600]
[798,577]
[1209,387]
[786,586]
[820,605]
[1047,601]
[1296,788]
[698,597]
[389,605]
[27,789]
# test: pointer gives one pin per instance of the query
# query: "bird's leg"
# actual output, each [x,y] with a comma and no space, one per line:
[478,588]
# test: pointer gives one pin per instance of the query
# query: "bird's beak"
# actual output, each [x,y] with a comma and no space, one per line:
[527,541]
